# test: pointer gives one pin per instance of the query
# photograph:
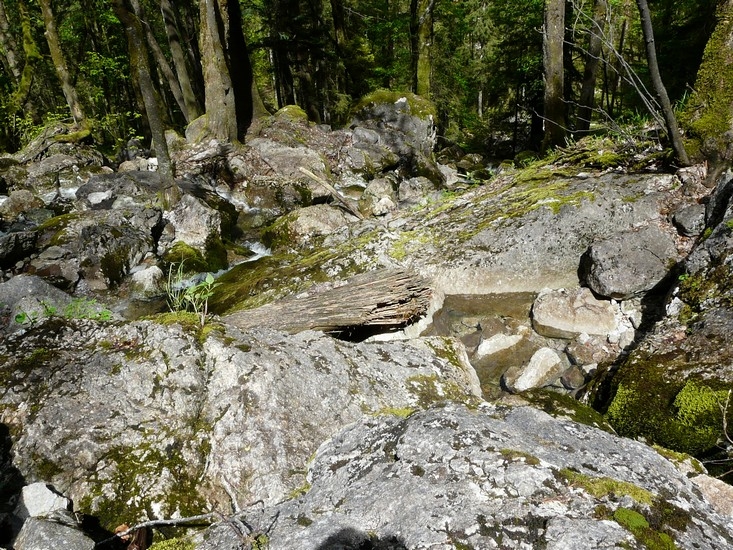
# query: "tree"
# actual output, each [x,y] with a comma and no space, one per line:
[586,100]
[670,119]
[710,107]
[228,77]
[553,43]
[59,61]
[421,34]
[192,107]
[8,45]
[141,75]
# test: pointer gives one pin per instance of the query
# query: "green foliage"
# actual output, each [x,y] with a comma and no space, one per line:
[79,308]
[194,297]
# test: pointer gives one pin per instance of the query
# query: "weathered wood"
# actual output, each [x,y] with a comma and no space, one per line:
[389,297]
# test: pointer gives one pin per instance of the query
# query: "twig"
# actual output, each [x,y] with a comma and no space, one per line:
[158,523]
[332,190]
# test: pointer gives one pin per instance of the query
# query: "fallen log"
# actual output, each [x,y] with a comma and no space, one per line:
[385,298]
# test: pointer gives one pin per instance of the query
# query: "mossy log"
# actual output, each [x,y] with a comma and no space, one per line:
[388,298]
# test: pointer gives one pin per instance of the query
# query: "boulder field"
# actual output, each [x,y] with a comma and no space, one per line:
[398,349]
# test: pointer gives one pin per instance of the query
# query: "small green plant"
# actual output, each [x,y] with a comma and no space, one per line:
[194,297]
[79,308]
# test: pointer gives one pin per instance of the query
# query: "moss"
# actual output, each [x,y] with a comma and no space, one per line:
[115,266]
[601,487]
[637,524]
[280,235]
[400,412]
[186,319]
[682,415]
[292,113]
[215,255]
[408,243]
[303,520]
[299,491]
[514,455]
[56,228]
[430,389]
[419,106]
[123,496]
[681,458]
[559,405]
[192,259]
[74,137]
[708,111]
[173,544]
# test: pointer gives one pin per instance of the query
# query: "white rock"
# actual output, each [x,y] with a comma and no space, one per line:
[40,500]
[495,344]
[544,367]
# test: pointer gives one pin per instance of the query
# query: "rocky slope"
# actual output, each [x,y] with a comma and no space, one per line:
[577,274]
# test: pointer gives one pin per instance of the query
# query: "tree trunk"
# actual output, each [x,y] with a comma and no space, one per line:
[710,107]
[19,99]
[192,106]
[553,47]
[228,77]
[59,62]
[159,57]
[421,36]
[382,300]
[140,67]
[592,60]
[667,111]
[613,76]
[9,46]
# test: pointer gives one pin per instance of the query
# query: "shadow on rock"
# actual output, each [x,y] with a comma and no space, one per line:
[353,539]
[11,483]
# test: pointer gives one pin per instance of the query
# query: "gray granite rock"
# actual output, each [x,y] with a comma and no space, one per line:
[493,477]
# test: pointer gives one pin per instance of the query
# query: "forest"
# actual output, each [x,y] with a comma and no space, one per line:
[124,69]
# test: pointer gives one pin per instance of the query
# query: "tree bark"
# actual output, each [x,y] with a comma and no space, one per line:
[20,100]
[59,62]
[651,54]
[9,46]
[228,77]
[141,75]
[159,56]
[592,60]
[387,299]
[553,47]
[192,106]
[421,36]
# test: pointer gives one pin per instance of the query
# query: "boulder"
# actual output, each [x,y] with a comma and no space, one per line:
[566,313]
[137,417]
[18,202]
[15,247]
[690,220]
[298,228]
[379,198]
[40,534]
[685,361]
[30,300]
[496,476]
[40,500]
[629,263]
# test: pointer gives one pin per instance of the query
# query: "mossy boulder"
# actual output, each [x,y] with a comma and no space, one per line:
[676,412]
